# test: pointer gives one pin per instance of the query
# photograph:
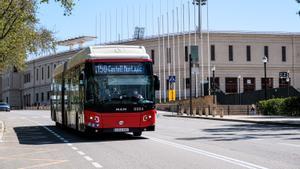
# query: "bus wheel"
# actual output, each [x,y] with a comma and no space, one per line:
[137,134]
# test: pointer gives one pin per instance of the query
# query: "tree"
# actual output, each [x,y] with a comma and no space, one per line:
[298,1]
[21,33]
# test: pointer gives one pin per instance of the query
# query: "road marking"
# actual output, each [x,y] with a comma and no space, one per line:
[288,144]
[97,165]
[2,131]
[88,158]
[74,148]
[81,153]
[209,154]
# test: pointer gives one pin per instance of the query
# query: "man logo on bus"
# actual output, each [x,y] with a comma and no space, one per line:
[121,123]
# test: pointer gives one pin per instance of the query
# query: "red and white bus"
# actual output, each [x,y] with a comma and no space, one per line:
[106,89]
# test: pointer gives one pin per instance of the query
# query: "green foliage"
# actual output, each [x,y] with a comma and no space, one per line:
[285,107]
[20,32]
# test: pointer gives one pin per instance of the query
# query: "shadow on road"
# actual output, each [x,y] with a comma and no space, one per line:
[38,135]
[237,132]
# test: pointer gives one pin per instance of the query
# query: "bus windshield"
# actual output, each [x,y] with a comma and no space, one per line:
[109,85]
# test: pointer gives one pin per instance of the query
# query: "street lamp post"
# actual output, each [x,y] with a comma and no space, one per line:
[288,81]
[265,60]
[239,83]
[213,83]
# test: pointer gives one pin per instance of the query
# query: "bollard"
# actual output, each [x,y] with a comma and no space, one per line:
[194,111]
[182,110]
[222,113]
[214,111]
[206,112]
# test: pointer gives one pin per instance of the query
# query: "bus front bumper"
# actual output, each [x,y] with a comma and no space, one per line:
[120,130]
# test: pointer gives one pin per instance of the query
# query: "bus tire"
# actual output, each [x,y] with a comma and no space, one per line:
[137,134]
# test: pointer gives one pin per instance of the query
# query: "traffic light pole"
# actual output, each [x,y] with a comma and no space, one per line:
[190,63]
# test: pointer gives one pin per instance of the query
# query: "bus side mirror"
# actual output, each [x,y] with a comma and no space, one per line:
[81,79]
[156,82]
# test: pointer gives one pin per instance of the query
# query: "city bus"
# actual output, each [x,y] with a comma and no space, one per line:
[105,89]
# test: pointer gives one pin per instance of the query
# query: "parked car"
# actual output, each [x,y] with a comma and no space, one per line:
[4,107]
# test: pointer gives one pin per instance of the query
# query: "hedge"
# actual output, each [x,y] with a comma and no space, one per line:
[281,106]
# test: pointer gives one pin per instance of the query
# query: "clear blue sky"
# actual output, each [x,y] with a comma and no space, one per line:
[229,15]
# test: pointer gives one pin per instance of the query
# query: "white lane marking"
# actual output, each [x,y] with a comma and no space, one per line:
[81,153]
[2,131]
[288,144]
[209,154]
[74,148]
[97,165]
[88,158]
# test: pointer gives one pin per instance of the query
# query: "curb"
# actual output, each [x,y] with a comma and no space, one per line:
[1,131]
[238,120]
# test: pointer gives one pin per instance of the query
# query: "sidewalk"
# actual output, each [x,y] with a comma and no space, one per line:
[274,120]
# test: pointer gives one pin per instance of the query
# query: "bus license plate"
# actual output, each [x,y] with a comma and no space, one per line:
[121,129]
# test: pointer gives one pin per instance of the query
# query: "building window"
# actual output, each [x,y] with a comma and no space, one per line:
[7,100]
[42,73]
[283,83]
[48,95]
[249,84]
[248,53]
[26,78]
[212,53]
[54,66]
[36,97]
[42,97]
[269,83]
[186,53]
[168,84]
[152,55]
[187,83]
[231,84]
[230,49]
[169,55]
[266,51]
[37,74]
[48,71]
[283,51]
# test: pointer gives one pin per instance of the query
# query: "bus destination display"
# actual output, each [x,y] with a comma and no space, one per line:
[119,69]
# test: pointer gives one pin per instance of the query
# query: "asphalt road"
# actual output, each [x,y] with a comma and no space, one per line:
[30,140]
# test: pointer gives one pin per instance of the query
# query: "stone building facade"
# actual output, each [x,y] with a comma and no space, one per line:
[237,57]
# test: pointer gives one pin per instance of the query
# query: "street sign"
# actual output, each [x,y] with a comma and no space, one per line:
[195,70]
[194,54]
[172,95]
[172,79]
[283,74]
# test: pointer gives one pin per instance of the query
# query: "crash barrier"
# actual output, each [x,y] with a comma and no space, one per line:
[216,110]
[37,108]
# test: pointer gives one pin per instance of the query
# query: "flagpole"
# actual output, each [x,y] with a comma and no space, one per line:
[173,46]
[159,63]
[184,65]
[164,60]
[105,21]
[195,43]
[100,31]
[96,27]
[110,28]
[208,49]
[202,57]
[127,17]
[189,27]
[178,56]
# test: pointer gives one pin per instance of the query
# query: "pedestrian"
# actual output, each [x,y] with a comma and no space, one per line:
[252,110]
